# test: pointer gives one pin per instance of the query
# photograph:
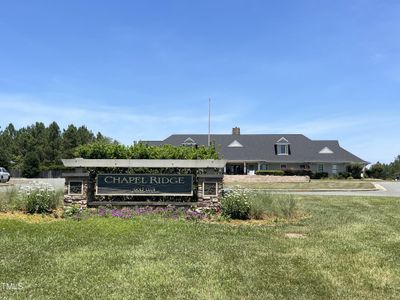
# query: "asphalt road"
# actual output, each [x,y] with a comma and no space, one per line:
[389,189]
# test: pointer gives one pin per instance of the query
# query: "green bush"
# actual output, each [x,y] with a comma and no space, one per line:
[297,172]
[40,198]
[236,205]
[379,170]
[320,175]
[72,210]
[355,170]
[270,172]
[344,175]
[143,151]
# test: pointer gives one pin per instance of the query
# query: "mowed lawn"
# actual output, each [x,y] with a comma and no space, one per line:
[317,184]
[349,250]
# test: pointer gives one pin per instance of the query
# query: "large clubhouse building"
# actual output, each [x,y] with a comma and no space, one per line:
[247,153]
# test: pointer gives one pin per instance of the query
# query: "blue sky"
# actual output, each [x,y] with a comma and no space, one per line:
[145,69]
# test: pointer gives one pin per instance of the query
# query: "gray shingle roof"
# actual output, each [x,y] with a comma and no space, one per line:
[260,147]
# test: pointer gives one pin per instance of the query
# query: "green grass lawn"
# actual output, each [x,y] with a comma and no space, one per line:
[314,184]
[350,250]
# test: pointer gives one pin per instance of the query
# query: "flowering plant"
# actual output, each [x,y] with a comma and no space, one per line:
[235,205]
[38,197]
[165,212]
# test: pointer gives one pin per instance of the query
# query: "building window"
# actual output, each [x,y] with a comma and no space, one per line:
[334,169]
[283,150]
[75,188]
[282,147]
[320,168]
[283,166]
[302,167]
[264,167]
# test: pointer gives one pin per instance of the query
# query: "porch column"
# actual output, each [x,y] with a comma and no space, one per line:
[244,168]
[258,166]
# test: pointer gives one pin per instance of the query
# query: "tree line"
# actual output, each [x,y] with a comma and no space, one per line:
[37,148]
[385,171]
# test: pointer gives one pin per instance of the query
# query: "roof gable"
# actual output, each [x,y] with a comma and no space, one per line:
[282,140]
[189,141]
[326,150]
[235,144]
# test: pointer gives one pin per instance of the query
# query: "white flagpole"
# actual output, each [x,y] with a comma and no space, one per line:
[209,122]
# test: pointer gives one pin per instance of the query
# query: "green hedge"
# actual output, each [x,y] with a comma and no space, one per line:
[320,175]
[270,172]
[299,172]
[288,172]
[143,151]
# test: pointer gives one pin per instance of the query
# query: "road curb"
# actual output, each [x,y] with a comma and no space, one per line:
[379,187]
[314,190]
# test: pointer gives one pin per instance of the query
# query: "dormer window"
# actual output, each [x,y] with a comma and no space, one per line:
[189,142]
[282,147]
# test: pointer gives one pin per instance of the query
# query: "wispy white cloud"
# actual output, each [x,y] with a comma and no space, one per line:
[115,121]
[371,136]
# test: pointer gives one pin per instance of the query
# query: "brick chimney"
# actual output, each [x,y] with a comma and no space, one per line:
[236,131]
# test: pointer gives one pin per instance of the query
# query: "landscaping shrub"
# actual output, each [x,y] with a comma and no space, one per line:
[344,175]
[40,198]
[143,151]
[297,172]
[355,170]
[236,205]
[287,172]
[320,175]
[270,172]
[72,210]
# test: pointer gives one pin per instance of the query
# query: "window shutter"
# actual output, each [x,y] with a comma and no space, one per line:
[276,149]
[290,152]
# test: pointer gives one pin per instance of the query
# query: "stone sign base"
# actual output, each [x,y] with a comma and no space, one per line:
[80,190]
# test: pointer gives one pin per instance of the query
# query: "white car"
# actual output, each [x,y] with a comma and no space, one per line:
[4,175]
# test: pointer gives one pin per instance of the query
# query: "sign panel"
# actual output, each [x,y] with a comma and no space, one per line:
[144,185]
[75,187]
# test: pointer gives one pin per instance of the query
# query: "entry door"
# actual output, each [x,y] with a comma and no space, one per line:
[235,169]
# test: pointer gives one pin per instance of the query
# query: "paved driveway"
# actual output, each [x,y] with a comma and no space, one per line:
[388,189]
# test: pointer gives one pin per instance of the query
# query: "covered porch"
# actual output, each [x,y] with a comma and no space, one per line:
[250,167]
